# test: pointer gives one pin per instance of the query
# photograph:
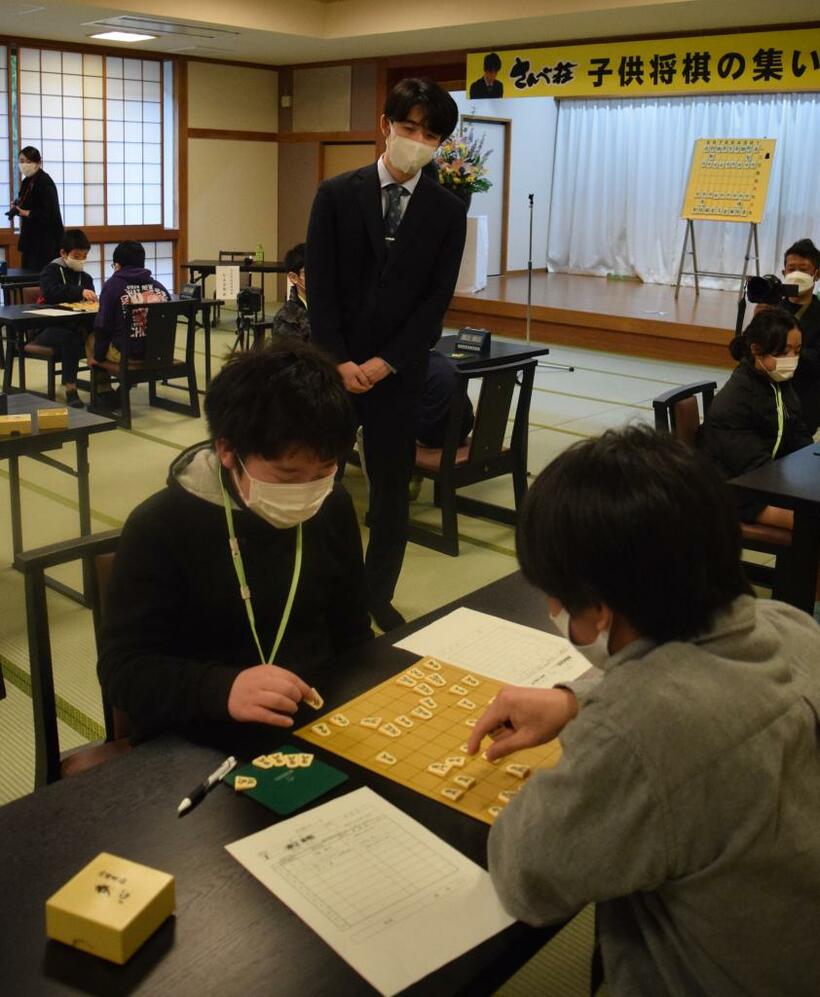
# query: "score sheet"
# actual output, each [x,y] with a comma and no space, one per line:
[371,881]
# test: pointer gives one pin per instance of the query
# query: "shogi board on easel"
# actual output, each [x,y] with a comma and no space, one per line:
[413,728]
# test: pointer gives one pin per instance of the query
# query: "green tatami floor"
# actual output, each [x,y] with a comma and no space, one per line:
[127,466]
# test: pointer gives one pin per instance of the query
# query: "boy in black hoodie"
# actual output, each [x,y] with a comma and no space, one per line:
[65,280]
[129,283]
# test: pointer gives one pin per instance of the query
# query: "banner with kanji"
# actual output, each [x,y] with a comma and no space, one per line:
[758,61]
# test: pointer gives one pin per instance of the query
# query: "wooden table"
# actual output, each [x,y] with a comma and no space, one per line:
[230,934]
[793,482]
[499,353]
[81,425]
[16,319]
[200,270]
[14,280]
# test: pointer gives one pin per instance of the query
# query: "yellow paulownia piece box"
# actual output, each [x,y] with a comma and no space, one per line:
[110,908]
[11,424]
[52,418]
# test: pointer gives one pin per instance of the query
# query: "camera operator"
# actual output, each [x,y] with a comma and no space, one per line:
[801,266]
[38,206]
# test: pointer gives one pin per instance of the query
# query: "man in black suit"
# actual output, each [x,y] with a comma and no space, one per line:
[384,249]
[487,86]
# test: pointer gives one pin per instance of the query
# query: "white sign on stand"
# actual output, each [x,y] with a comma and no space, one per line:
[472,276]
[227,283]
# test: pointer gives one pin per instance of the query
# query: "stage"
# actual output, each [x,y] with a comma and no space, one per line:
[619,316]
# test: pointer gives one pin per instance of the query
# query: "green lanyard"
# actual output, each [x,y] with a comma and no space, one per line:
[779,406]
[244,589]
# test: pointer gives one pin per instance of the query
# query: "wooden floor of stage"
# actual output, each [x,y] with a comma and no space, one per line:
[621,316]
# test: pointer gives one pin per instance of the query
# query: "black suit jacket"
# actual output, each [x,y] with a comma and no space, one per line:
[365,300]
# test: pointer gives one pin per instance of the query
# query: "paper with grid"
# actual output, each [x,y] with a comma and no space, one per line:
[430,740]
[372,882]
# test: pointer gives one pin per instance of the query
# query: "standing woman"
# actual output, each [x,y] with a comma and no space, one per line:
[41,224]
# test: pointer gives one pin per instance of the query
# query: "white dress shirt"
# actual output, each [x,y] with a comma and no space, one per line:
[385,178]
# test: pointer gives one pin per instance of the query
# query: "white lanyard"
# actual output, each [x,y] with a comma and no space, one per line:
[244,588]
[779,406]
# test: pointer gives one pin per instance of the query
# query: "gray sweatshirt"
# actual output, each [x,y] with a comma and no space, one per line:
[687,806]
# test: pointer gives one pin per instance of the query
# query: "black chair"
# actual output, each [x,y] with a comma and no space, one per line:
[96,553]
[677,412]
[483,456]
[159,361]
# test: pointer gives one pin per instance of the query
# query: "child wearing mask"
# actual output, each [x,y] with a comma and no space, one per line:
[687,799]
[756,416]
[65,280]
[185,646]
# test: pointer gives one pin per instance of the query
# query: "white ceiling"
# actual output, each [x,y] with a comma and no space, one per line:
[283,32]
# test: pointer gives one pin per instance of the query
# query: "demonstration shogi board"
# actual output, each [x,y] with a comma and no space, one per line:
[425,717]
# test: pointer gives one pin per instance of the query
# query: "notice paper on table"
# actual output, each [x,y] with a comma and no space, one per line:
[227,283]
[499,649]
[372,882]
[50,312]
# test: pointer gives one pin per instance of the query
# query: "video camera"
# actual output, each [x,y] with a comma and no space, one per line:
[769,290]
[249,301]
[13,211]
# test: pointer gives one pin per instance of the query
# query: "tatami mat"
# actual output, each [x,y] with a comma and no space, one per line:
[126,467]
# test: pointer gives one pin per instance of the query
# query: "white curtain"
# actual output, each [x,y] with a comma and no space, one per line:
[621,168]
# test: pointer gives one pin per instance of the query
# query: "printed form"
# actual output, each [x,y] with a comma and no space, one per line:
[371,881]
[499,649]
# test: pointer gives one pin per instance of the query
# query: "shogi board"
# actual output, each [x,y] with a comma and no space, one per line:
[441,736]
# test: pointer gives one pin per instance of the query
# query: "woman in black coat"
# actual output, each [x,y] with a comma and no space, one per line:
[756,417]
[41,224]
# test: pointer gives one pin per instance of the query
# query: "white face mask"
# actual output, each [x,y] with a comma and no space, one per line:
[76,265]
[804,281]
[407,155]
[286,505]
[27,169]
[784,368]
[597,653]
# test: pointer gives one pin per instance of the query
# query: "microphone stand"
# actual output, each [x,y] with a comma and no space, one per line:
[541,363]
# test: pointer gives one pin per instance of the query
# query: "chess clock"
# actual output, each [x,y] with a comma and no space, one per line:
[473,340]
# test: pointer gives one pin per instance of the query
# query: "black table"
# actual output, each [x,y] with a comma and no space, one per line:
[793,482]
[14,280]
[499,353]
[81,425]
[200,270]
[16,319]
[230,934]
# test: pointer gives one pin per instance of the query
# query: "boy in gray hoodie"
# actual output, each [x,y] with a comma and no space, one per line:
[687,801]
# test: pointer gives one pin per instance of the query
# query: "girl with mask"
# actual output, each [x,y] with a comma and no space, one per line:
[236,587]
[37,204]
[756,416]
[685,804]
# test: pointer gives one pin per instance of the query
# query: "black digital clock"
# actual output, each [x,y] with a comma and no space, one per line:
[473,340]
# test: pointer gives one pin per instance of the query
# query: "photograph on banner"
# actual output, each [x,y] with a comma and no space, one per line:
[757,61]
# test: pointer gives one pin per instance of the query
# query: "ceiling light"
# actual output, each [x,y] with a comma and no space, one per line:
[122,36]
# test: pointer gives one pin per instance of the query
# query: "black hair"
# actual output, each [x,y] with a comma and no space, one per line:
[768,330]
[130,254]
[492,63]
[31,154]
[295,258]
[640,521]
[286,396]
[74,238]
[440,110]
[805,248]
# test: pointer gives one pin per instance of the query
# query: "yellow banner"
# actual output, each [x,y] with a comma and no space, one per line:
[766,61]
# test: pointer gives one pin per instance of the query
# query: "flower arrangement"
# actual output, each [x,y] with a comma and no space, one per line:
[461,162]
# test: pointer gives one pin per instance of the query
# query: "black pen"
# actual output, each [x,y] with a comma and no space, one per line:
[202,790]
